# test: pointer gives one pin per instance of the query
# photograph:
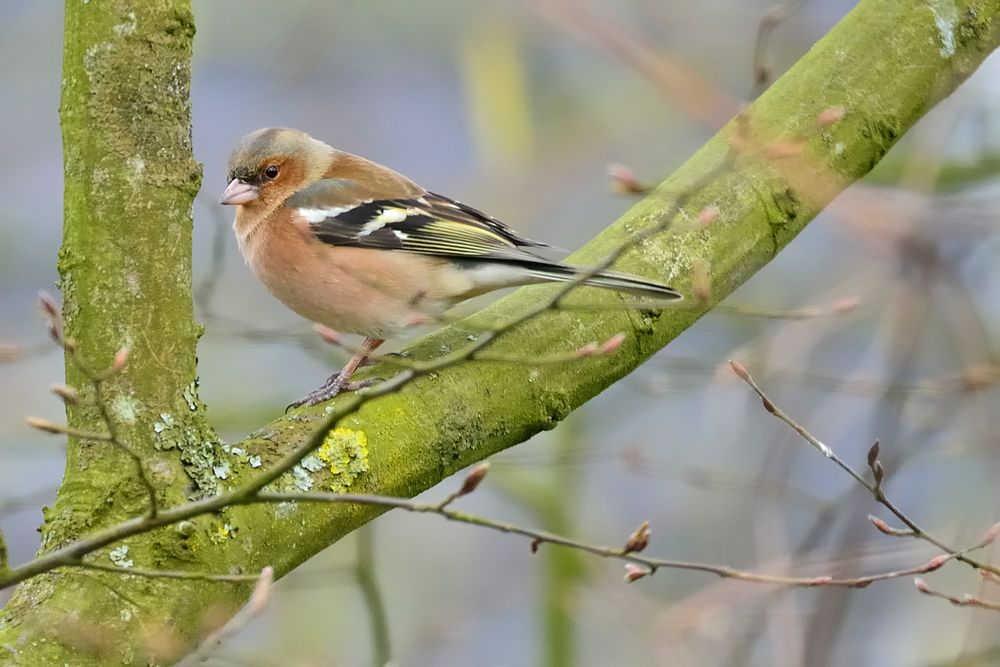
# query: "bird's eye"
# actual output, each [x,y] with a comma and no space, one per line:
[271,172]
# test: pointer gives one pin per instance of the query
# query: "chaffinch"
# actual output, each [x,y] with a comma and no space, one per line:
[361,249]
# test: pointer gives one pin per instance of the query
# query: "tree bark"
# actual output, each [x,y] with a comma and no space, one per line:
[126,281]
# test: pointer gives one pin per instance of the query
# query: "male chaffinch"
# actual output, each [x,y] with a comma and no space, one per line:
[357,247]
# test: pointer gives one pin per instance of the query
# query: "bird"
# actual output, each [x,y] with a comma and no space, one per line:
[359,248]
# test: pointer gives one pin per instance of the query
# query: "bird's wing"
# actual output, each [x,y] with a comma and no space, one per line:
[338,213]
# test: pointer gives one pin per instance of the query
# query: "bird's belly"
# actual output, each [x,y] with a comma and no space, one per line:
[374,300]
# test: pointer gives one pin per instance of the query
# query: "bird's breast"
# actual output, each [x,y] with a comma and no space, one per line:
[374,293]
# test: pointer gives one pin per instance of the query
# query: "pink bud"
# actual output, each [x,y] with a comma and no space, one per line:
[873,453]
[708,215]
[49,305]
[43,425]
[68,394]
[829,116]
[634,572]
[921,585]
[882,526]
[638,540]
[991,534]
[474,477]
[613,343]
[847,304]
[121,358]
[624,180]
[820,581]
[740,370]
[935,563]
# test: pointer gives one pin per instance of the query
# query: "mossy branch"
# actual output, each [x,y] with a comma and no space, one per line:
[130,178]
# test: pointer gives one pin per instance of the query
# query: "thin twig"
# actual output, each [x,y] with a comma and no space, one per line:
[97,379]
[766,25]
[352,403]
[874,488]
[620,553]
[47,426]
[966,600]
[166,574]
[592,349]
[258,601]
[348,405]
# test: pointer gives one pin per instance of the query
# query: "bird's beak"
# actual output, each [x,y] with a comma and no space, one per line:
[238,192]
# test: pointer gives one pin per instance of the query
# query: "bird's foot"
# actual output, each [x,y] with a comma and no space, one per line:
[333,386]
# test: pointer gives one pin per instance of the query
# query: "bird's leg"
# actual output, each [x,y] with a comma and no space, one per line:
[340,381]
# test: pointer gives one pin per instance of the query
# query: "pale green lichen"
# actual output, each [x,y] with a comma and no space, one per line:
[165,422]
[945,19]
[198,444]
[312,463]
[191,395]
[126,408]
[285,510]
[119,556]
[301,479]
[345,451]
[128,26]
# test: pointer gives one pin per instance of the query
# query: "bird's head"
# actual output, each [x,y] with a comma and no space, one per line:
[270,164]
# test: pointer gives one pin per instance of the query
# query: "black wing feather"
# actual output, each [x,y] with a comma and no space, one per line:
[430,224]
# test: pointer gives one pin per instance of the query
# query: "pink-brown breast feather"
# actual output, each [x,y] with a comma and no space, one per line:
[354,290]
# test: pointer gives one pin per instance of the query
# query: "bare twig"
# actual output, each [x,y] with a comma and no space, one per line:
[538,537]
[258,601]
[349,404]
[470,484]
[625,181]
[839,307]
[47,426]
[592,349]
[766,25]
[966,600]
[97,381]
[875,488]
[165,574]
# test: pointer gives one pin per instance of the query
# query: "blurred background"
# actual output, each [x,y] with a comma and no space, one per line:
[879,321]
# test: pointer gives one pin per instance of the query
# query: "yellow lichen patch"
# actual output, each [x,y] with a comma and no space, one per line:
[224,531]
[345,452]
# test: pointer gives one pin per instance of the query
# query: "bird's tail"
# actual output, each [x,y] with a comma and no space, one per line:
[621,282]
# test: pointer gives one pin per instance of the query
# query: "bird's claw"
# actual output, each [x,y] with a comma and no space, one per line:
[331,388]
